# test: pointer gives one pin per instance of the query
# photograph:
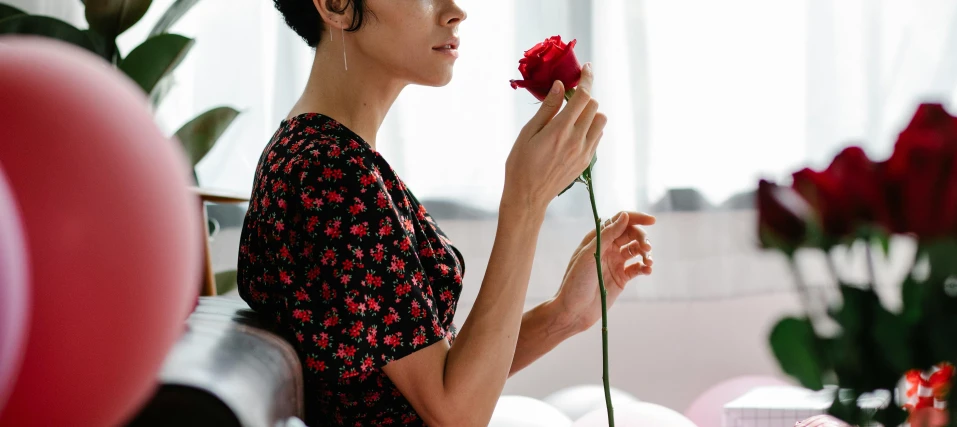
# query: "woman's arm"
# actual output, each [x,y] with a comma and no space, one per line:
[460,385]
[543,328]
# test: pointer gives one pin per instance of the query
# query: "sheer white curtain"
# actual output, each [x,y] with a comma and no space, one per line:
[701,95]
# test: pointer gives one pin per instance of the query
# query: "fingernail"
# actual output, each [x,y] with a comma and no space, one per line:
[587,67]
[555,88]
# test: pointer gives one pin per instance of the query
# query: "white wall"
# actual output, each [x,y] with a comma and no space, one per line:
[665,352]
[703,316]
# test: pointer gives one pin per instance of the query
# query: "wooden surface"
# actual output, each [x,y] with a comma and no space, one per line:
[219,196]
[212,196]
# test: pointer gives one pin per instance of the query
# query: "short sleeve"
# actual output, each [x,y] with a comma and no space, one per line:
[366,287]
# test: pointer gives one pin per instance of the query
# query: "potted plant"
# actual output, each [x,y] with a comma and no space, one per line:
[150,65]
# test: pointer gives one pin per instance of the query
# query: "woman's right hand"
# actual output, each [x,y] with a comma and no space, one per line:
[552,150]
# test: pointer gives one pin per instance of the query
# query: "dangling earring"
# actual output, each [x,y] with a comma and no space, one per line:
[344,61]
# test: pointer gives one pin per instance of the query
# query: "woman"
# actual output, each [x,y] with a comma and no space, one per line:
[338,252]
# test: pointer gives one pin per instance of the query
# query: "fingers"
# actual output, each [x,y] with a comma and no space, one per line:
[580,100]
[586,118]
[595,131]
[635,249]
[549,108]
[636,270]
[588,77]
[638,218]
[613,230]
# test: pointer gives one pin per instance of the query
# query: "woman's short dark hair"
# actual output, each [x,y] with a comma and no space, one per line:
[304,19]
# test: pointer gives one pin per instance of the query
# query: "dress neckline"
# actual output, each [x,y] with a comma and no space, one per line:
[322,118]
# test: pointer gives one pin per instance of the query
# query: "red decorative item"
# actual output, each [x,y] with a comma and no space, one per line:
[920,175]
[781,216]
[111,230]
[846,194]
[14,292]
[546,62]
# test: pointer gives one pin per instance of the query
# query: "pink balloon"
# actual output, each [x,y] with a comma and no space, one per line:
[14,296]
[707,410]
[635,414]
[112,231]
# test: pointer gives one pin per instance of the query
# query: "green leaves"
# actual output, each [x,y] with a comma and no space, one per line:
[797,349]
[112,17]
[158,56]
[912,295]
[200,134]
[891,336]
[46,26]
[7,11]
[577,180]
[942,255]
[172,15]
[105,49]
[872,351]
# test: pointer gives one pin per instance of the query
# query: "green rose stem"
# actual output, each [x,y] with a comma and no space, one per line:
[587,176]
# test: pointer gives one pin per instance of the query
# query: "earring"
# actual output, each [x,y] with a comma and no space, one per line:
[344,61]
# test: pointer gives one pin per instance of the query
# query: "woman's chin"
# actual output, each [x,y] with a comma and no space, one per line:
[436,79]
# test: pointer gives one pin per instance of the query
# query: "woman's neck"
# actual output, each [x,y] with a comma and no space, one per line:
[359,97]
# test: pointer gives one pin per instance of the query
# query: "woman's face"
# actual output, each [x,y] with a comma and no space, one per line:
[410,39]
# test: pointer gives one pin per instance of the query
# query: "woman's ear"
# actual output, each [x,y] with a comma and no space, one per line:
[335,13]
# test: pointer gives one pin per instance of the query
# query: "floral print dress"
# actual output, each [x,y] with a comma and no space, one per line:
[341,257]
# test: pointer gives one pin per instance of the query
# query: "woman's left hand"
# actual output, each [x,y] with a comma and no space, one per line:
[622,240]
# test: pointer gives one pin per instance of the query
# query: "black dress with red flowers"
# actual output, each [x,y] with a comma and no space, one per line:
[339,255]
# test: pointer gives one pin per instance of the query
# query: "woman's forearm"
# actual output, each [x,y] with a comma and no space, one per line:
[543,328]
[479,362]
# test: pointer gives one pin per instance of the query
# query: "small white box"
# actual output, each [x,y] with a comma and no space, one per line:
[783,406]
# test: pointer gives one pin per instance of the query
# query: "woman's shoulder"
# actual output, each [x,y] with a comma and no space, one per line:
[312,143]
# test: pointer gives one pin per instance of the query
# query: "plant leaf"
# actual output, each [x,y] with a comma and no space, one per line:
[911,297]
[567,188]
[797,349]
[873,349]
[577,180]
[892,337]
[225,281]
[7,11]
[102,49]
[112,17]
[46,26]
[162,89]
[172,15]
[939,319]
[940,254]
[158,56]
[200,134]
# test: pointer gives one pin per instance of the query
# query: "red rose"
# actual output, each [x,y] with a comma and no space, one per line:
[921,175]
[781,214]
[847,194]
[546,62]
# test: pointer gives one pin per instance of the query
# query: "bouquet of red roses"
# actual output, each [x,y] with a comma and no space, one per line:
[913,193]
